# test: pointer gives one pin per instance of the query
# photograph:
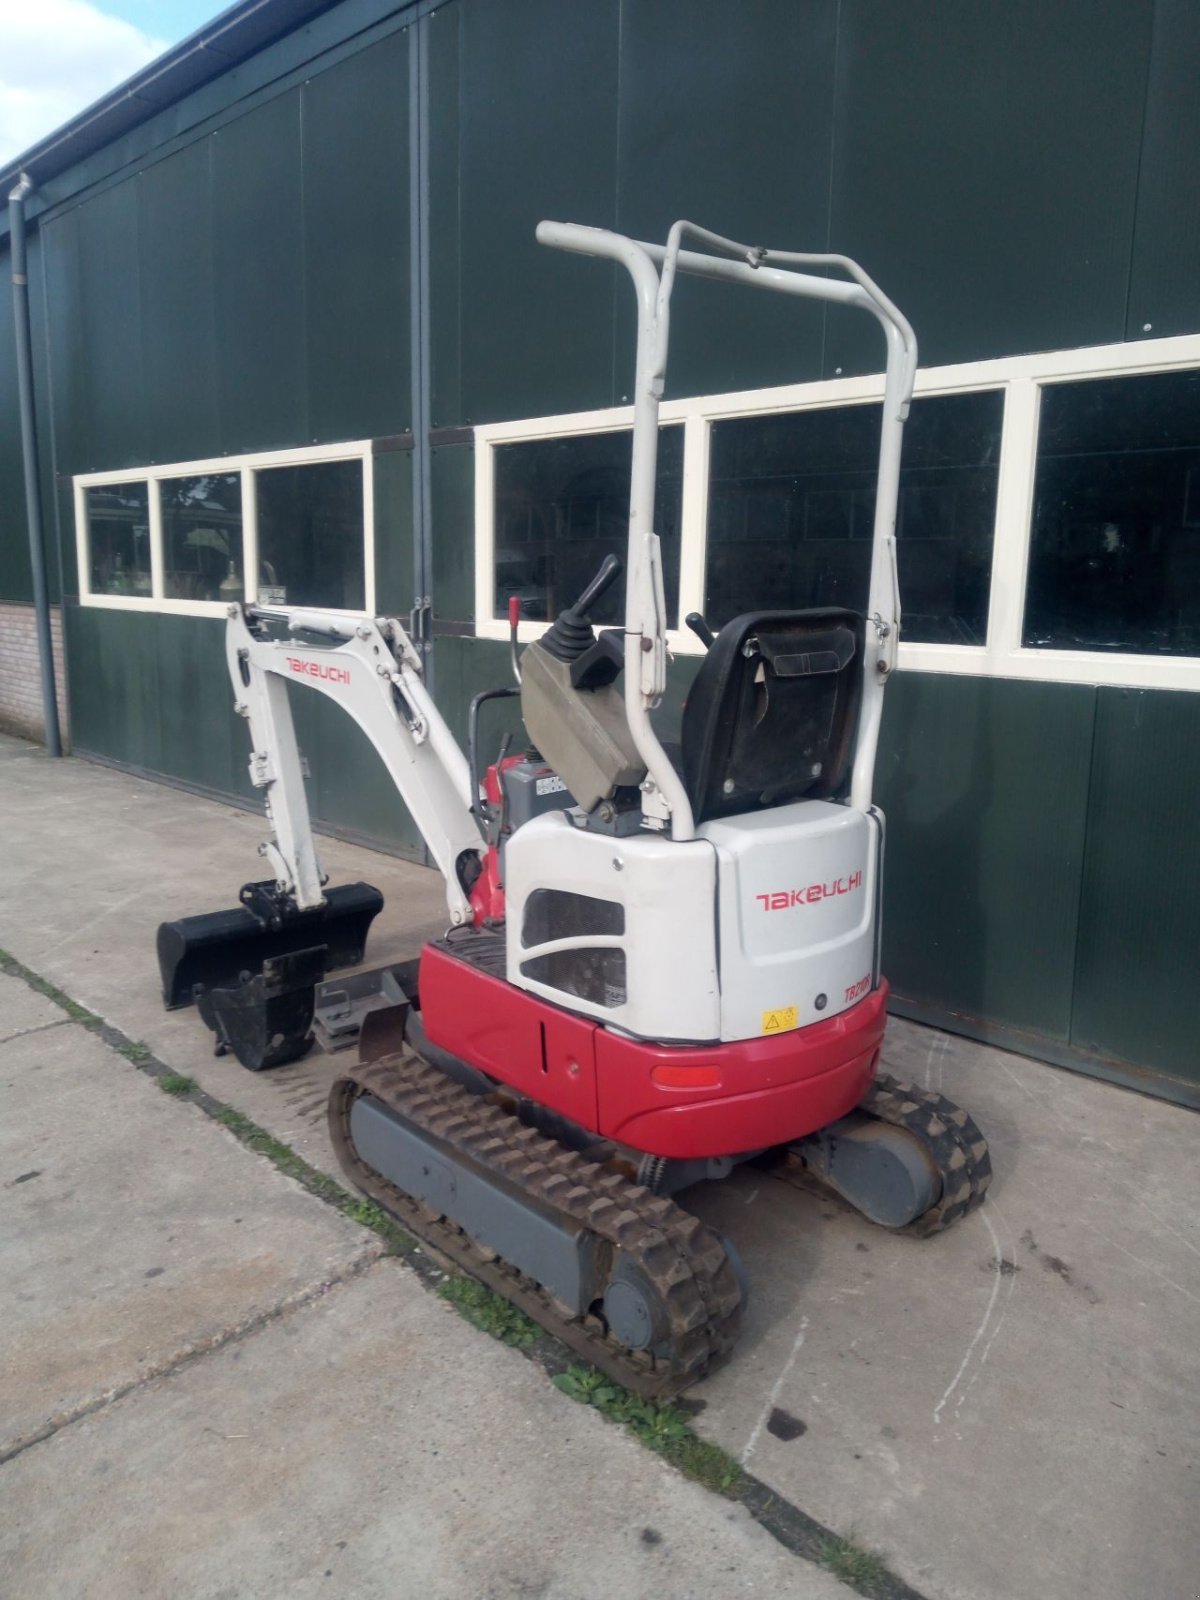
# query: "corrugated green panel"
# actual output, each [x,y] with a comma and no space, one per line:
[114,685]
[356,244]
[258,249]
[113,371]
[393,532]
[68,342]
[1139,919]
[984,785]
[985,167]
[175,248]
[203,740]
[452,486]
[537,99]
[15,582]
[43,408]
[445,332]
[60,518]
[734,135]
[349,786]
[1166,244]
[336,32]
[465,667]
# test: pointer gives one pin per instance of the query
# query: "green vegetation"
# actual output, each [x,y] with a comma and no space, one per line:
[860,1568]
[663,1428]
[77,1013]
[489,1311]
[175,1082]
[138,1051]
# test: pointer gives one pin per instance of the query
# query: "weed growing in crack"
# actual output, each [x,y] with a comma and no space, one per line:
[662,1428]
[489,1311]
[175,1082]
[851,1562]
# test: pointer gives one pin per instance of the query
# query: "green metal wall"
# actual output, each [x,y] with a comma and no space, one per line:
[235,275]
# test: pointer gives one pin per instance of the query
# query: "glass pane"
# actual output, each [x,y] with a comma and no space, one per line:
[118,525]
[792,505]
[202,537]
[310,535]
[562,505]
[1114,556]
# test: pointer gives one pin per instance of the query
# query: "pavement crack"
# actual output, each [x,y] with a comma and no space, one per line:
[180,1360]
[42,1027]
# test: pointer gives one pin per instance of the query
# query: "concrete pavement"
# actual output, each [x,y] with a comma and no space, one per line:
[212,1386]
[1008,1410]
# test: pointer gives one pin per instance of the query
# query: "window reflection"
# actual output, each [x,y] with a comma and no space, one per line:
[792,507]
[562,505]
[202,537]
[310,535]
[118,525]
[1114,557]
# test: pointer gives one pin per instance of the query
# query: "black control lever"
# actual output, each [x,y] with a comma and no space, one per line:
[570,636]
[610,570]
[701,629]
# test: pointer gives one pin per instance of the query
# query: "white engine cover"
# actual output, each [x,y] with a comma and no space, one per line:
[797,911]
[664,984]
[631,928]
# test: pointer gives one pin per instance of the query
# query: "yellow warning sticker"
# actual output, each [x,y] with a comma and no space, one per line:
[780,1020]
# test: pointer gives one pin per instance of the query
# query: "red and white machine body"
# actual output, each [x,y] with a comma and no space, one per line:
[693,982]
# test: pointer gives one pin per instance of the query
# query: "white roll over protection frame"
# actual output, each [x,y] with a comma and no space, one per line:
[652,268]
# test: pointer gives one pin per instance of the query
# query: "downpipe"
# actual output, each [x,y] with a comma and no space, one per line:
[29,455]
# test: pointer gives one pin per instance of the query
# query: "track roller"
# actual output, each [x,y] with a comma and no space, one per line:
[907,1158]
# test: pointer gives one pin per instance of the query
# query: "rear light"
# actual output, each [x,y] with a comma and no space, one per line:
[676,1077]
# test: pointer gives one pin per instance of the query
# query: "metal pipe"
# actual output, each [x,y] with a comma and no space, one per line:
[33,491]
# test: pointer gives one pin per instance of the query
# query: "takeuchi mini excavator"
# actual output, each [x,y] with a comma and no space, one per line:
[660,963]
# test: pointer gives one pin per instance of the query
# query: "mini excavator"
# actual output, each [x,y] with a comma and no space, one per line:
[660,963]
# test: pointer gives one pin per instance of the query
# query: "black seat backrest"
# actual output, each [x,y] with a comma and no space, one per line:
[773,713]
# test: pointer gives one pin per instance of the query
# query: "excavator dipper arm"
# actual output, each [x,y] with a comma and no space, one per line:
[371,670]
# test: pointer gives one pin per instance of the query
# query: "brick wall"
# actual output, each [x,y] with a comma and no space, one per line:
[20,681]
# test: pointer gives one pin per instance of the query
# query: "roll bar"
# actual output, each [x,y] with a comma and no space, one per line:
[653,268]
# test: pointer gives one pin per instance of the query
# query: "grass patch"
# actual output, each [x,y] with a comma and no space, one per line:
[139,1052]
[850,1562]
[490,1311]
[77,1013]
[662,1428]
[175,1082]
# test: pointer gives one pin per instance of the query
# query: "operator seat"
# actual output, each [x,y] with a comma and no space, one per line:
[773,712]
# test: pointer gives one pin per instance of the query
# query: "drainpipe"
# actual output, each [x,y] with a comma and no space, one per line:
[33,493]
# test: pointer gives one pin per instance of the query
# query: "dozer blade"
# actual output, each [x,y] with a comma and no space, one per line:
[219,949]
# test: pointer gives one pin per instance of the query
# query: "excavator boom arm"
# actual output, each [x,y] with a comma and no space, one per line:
[370,668]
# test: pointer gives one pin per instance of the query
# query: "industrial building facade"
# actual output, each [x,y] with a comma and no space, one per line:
[294,340]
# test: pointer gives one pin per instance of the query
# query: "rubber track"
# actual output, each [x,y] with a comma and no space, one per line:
[684,1259]
[959,1150]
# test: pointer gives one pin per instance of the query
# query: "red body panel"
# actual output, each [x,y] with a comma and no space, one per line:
[748,1094]
[543,1052]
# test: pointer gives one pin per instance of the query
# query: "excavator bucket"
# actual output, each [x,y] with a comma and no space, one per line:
[220,949]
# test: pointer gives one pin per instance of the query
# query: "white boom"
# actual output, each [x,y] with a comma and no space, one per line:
[371,670]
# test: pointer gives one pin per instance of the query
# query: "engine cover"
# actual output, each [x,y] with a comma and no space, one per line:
[796,899]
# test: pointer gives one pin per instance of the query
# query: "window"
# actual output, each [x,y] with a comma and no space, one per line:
[792,507]
[310,544]
[1048,515]
[562,505]
[290,528]
[118,527]
[1114,559]
[202,537]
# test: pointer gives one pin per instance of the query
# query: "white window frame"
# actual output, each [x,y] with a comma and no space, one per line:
[1020,380]
[247,465]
